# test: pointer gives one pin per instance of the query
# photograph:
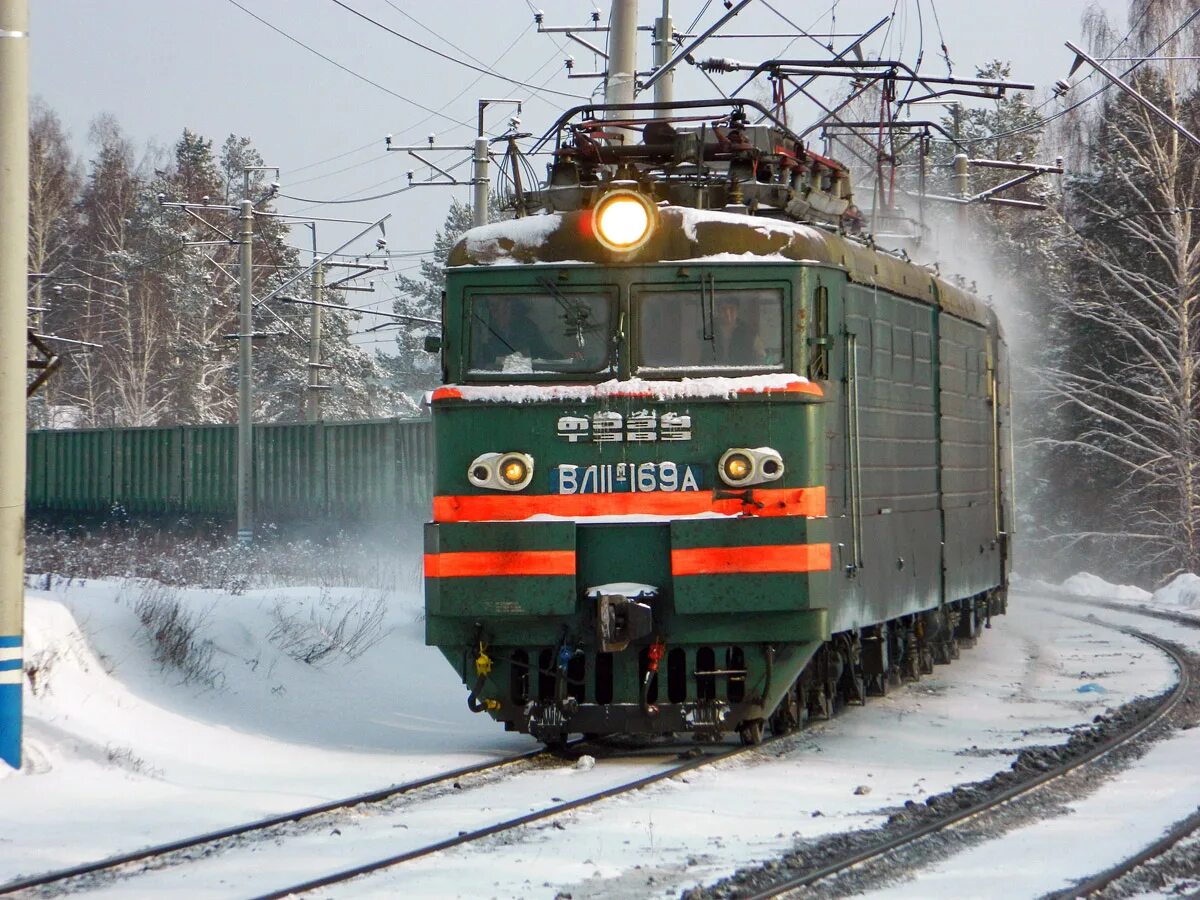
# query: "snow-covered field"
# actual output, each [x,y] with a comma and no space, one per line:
[122,751]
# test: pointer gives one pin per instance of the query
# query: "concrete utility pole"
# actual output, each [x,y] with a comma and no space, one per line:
[664,88]
[312,408]
[14,244]
[479,184]
[622,59]
[245,431]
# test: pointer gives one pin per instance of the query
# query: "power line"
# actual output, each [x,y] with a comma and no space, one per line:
[333,158]
[1096,93]
[444,40]
[348,71]
[457,165]
[358,200]
[446,56]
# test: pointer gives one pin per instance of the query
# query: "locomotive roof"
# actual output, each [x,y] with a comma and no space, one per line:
[694,235]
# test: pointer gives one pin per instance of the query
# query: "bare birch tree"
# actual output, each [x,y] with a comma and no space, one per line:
[1127,389]
[54,183]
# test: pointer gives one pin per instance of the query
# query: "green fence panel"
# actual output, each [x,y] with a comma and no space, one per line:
[310,470]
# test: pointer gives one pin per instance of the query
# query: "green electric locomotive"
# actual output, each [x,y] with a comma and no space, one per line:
[706,462]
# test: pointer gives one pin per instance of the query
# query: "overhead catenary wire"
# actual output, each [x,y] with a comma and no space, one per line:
[446,56]
[313,165]
[348,198]
[348,70]
[409,129]
[1096,93]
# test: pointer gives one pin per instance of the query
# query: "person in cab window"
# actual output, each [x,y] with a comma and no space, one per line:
[738,342]
[505,329]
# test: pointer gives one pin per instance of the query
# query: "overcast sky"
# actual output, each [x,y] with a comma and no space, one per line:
[162,65]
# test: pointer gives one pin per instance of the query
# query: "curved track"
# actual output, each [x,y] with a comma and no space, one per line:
[1183,830]
[886,847]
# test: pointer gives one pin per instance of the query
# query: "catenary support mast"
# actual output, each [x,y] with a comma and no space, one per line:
[245,431]
[664,88]
[14,242]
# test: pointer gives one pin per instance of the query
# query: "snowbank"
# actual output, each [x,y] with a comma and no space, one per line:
[1183,591]
[1088,585]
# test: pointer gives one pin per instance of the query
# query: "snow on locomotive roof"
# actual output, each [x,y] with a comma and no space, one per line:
[706,388]
[684,234]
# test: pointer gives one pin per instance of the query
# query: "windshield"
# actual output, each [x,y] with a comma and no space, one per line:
[551,332]
[717,328]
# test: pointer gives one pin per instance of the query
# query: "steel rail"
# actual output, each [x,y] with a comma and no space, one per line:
[1189,826]
[1084,600]
[510,824]
[1182,687]
[157,850]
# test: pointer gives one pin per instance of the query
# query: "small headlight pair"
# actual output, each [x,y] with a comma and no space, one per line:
[740,466]
[511,471]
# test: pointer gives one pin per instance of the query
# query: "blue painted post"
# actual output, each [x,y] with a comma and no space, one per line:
[10,700]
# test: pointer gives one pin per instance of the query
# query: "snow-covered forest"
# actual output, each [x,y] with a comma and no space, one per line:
[155,288]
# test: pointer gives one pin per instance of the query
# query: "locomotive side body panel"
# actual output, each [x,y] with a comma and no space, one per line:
[886,431]
[973,553]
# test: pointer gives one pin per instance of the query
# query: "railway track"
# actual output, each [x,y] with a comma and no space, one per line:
[114,865]
[1183,832]
[872,854]
[152,868]
[479,834]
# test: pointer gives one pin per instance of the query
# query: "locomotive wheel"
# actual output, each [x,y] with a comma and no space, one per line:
[820,703]
[786,717]
[852,687]
[926,659]
[751,732]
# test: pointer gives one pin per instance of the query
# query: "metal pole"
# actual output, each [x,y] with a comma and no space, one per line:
[314,343]
[14,244]
[245,434]
[622,58]
[1080,55]
[479,207]
[664,88]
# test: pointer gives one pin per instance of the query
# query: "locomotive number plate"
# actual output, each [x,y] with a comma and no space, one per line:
[624,478]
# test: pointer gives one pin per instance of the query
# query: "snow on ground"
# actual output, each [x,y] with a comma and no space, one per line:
[121,752]
[1132,811]
[1088,585]
[1183,591]
[1181,594]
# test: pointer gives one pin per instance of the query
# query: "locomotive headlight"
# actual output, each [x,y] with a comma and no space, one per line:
[736,467]
[510,471]
[623,219]
[741,466]
[514,471]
